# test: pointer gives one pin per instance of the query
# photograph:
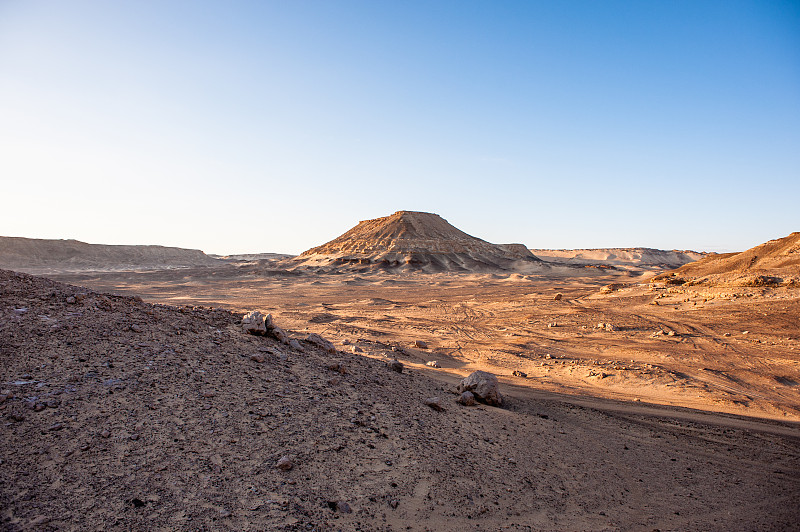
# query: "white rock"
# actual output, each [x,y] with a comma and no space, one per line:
[254,323]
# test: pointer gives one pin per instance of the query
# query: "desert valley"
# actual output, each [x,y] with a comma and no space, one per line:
[642,389]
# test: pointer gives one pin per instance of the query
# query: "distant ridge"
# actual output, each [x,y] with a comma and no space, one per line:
[639,258]
[41,256]
[413,241]
[771,263]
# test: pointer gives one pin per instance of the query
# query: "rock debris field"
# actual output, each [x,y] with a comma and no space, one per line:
[116,414]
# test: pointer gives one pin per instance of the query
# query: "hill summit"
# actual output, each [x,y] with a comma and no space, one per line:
[410,240]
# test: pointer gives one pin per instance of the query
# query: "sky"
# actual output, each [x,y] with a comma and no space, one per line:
[275,126]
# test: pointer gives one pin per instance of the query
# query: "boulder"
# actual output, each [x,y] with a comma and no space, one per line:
[483,386]
[518,373]
[433,364]
[321,342]
[419,344]
[557,297]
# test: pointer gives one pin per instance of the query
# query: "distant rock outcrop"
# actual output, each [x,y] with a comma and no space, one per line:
[41,256]
[773,263]
[413,241]
[621,258]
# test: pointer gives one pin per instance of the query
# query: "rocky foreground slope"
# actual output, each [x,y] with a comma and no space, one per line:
[42,256]
[413,241]
[122,415]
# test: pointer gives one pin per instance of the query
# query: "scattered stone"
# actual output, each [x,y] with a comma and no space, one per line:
[394,503]
[466,399]
[343,507]
[548,356]
[745,332]
[552,324]
[607,289]
[85,447]
[607,326]
[208,393]
[71,300]
[558,297]
[339,368]
[319,341]
[135,328]
[279,334]
[395,365]
[134,437]
[419,344]
[56,426]
[345,342]
[257,357]
[254,323]
[433,364]
[434,403]
[356,349]
[294,344]
[483,386]
[105,434]
[727,335]
[671,333]
[518,373]
[285,463]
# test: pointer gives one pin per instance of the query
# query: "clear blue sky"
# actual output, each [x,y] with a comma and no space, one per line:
[275,126]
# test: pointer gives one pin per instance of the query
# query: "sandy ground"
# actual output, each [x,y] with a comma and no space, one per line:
[734,350]
[118,414]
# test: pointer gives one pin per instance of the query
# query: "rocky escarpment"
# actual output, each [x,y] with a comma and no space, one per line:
[409,241]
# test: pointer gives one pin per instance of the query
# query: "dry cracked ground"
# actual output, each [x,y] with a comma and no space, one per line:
[119,413]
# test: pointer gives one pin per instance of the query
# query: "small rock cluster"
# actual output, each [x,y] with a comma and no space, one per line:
[260,325]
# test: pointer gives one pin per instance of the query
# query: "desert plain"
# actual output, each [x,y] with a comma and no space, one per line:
[636,397]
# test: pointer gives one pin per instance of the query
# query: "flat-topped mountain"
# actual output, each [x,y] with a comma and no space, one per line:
[638,258]
[409,240]
[41,256]
[771,263]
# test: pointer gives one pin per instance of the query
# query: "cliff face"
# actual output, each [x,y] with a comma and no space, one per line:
[33,255]
[413,241]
